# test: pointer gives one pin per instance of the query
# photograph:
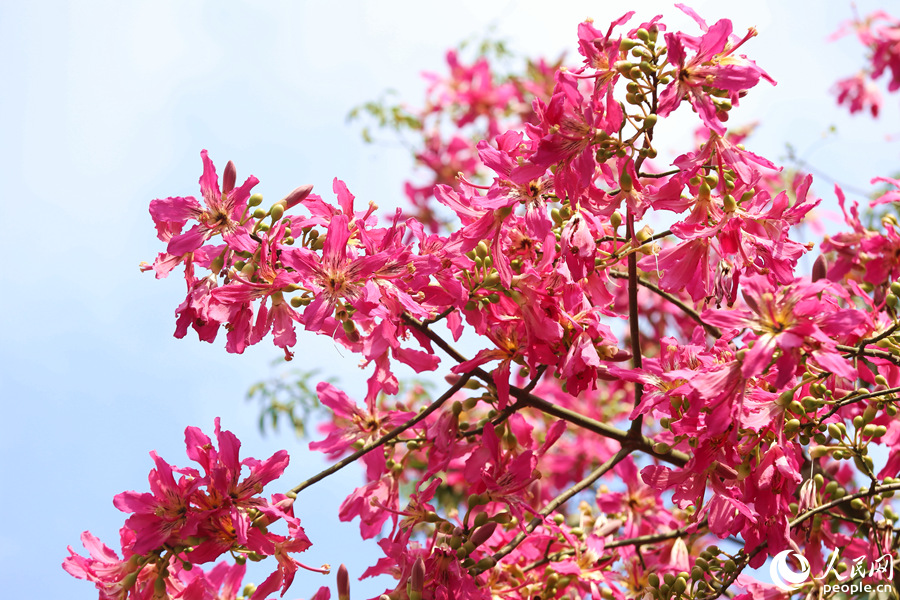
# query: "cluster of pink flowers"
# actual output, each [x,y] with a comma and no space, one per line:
[879,32]
[572,456]
[190,519]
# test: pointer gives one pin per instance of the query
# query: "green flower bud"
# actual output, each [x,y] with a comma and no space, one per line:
[791,427]
[480,519]
[626,44]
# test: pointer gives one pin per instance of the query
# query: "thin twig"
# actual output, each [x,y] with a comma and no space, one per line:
[873,340]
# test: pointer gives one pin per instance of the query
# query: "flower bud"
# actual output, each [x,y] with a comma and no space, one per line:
[255,200]
[820,268]
[625,181]
[343,583]
[480,519]
[129,580]
[626,44]
[818,451]
[485,563]
[730,205]
[297,196]
[502,518]
[482,534]
[623,67]
[229,176]
[791,427]
[277,211]
[870,413]
[417,580]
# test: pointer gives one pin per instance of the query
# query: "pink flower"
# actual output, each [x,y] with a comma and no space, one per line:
[794,319]
[111,574]
[224,210]
[194,520]
[858,94]
[351,423]
[163,516]
[713,67]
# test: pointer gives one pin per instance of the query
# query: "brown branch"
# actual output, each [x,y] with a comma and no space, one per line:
[640,443]
[872,353]
[634,326]
[874,340]
[710,329]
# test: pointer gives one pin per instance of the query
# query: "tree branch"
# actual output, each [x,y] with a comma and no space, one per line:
[710,329]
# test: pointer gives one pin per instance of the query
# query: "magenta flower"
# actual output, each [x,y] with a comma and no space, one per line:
[164,515]
[195,519]
[859,94]
[223,213]
[792,320]
[713,68]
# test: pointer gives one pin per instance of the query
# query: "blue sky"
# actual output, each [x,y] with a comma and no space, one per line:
[106,106]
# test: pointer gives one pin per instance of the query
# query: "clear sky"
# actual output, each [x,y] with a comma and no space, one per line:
[106,106]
